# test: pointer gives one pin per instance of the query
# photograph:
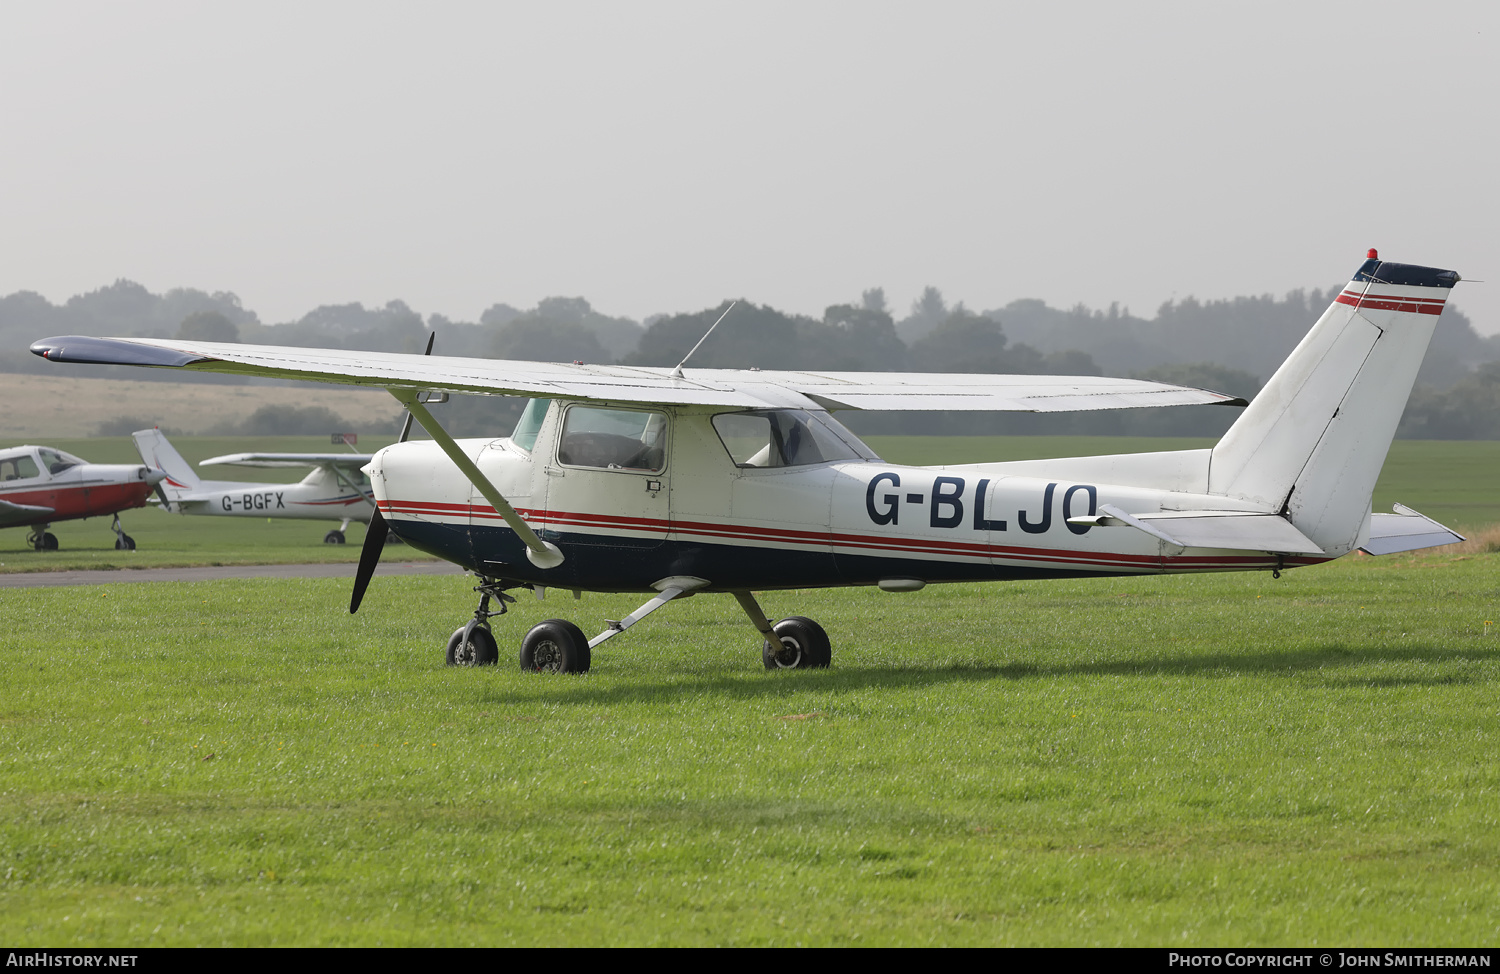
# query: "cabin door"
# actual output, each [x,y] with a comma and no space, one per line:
[606,481]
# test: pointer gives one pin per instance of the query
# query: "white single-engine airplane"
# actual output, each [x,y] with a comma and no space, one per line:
[336,489]
[680,481]
[40,485]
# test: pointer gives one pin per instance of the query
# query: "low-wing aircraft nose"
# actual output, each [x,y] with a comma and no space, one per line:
[152,477]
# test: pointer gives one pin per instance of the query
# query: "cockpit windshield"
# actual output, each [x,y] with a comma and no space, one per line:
[56,461]
[787,438]
[530,424]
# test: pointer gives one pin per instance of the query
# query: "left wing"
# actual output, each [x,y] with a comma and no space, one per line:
[15,514]
[743,388]
[347,461]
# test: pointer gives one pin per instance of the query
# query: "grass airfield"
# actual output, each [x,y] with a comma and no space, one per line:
[1189,760]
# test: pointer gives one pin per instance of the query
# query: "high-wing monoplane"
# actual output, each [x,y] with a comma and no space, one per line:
[335,490]
[40,485]
[675,482]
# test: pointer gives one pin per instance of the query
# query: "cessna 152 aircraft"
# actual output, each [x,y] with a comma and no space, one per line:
[39,485]
[335,490]
[684,481]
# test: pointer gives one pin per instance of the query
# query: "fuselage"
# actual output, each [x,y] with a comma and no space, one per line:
[697,502]
[320,496]
[66,487]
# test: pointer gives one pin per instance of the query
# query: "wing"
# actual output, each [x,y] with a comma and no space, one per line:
[348,461]
[747,388]
[12,515]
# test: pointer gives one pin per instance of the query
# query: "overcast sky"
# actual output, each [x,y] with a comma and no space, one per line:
[661,156]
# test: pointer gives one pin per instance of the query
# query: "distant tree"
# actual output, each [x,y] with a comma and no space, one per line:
[962,342]
[208,326]
[927,312]
[287,420]
[499,314]
[535,339]
[753,336]
[851,339]
[873,299]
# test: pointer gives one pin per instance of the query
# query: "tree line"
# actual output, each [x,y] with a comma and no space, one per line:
[1230,346]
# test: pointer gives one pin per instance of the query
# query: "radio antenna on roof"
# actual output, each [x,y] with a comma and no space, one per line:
[677,372]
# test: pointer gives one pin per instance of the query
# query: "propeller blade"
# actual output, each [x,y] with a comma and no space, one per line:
[376,531]
[166,504]
[406,426]
[369,557]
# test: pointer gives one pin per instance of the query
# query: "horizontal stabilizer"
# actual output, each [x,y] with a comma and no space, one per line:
[1211,529]
[1405,530]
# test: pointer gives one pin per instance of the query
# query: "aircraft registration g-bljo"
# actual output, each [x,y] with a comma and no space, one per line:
[336,489]
[40,485]
[681,481]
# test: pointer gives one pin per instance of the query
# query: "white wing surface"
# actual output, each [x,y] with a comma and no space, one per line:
[348,461]
[748,388]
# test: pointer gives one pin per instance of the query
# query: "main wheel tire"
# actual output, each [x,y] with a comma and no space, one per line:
[124,543]
[334,537]
[479,650]
[804,645]
[47,542]
[555,646]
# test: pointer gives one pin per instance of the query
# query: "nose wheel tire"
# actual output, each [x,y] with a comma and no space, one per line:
[555,646]
[804,646]
[478,650]
[124,543]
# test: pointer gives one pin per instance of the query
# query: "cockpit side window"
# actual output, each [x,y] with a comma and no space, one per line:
[18,467]
[787,438]
[530,424]
[614,439]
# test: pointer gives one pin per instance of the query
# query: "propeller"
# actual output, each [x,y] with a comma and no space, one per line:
[376,532]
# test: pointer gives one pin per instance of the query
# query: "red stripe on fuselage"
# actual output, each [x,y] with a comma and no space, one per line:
[850,543]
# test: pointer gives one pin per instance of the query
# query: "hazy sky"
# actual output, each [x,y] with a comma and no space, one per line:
[662,156]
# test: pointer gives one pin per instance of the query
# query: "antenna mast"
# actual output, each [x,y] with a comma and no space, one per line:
[677,372]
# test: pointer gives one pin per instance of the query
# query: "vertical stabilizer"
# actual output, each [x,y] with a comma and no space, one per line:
[1312,443]
[158,454]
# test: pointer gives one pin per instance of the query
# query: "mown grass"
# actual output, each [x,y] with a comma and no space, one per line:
[1452,482]
[1193,760]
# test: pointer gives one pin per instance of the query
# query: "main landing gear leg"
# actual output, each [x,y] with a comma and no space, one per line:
[794,643]
[473,644]
[123,541]
[41,539]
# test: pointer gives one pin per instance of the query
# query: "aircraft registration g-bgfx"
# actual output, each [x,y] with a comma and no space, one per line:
[683,481]
[336,489]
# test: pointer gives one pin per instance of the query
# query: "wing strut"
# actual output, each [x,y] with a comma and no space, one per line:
[540,553]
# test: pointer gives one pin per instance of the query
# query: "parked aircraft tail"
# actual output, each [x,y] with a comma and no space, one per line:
[159,454]
[1312,443]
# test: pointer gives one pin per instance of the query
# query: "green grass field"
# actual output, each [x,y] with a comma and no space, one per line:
[1193,760]
[1451,482]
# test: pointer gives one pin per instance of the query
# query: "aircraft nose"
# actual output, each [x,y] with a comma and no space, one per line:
[152,477]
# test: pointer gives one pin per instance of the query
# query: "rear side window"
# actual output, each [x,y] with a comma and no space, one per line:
[787,438]
[614,439]
[18,468]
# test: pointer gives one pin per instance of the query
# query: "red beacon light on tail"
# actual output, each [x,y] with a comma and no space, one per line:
[1373,254]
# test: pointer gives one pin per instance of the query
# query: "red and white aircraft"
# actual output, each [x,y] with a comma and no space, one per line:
[335,490]
[40,485]
[683,481]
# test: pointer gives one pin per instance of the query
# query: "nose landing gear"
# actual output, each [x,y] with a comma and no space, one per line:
[473,644]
